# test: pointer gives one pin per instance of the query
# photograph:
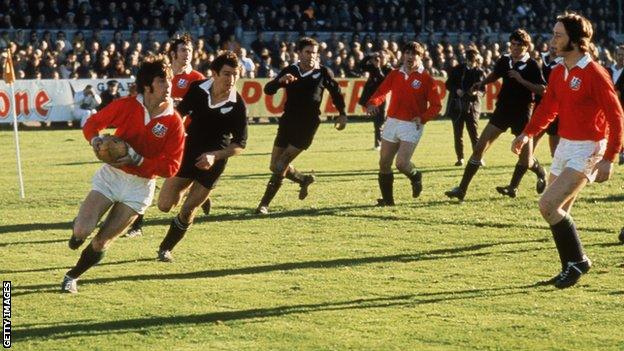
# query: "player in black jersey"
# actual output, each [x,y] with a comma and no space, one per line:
[304,82]
[549,61]
[218,131]
[521,80]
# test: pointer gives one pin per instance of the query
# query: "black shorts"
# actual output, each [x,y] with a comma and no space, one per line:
[207,179]
[297,134]
[553,127]
[505,119]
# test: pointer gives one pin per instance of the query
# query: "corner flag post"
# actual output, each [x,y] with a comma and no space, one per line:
[9,78]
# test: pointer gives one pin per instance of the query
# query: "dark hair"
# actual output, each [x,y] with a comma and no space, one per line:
[153,66]
[413,46]
[522,36]
[579,30]
[471,54]
[306,41]
[183,39]
[226,58]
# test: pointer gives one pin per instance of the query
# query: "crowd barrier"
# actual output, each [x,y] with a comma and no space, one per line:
[53,100]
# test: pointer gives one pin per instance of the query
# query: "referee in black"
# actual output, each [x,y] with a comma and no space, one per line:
[304,82]
[377,67]
[522,79]
[218,131]
[465,107]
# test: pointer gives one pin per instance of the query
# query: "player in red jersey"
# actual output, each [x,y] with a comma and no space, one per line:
[590,126]
[154,133]
[415,101]
[181,54]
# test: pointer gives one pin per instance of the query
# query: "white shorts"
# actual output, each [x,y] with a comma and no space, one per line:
[119,186]
[580,155]
[396,130]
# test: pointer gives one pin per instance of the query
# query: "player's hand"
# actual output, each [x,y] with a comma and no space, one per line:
[515,75]
[459,92]
[341,122]
[603,169]
[206,160]
[518,143]
[372,110]
[287,79]
[96,143]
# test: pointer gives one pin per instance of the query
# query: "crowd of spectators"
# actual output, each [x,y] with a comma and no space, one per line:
[42,49]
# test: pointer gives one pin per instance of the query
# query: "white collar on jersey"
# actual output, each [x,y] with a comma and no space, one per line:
[146,117]
[420,69]
[583,62]
[316,66]
[523,59]
[206,86]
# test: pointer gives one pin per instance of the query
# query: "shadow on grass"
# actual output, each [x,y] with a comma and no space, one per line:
[16,243]
[27,227]
[49,269]
[134,324]
[437,254]
[78,163]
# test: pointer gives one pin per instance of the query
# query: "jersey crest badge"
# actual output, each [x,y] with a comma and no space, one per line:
[316,75]
[416,84]
[225,110]
[575,83]
[521,67]
[182,83]
[159,130]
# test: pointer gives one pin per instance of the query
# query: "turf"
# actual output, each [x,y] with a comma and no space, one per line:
[331,272]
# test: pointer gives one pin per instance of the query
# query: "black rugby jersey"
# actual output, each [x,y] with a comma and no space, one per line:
[213,126]
[548,63]
[513,95]
[304,95]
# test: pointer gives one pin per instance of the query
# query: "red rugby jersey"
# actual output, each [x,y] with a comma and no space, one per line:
[160,140]
[587,105]
[181,83]
[410,95]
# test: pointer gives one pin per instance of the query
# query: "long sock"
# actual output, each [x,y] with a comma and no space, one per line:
[88,258]
[294,175]
[471,169]
[272,188]
[386,181]
[415,176]
[567,240]
[177,230]
[538,169]
[518,173]
[138,222]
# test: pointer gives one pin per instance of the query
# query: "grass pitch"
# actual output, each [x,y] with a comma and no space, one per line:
[332,272]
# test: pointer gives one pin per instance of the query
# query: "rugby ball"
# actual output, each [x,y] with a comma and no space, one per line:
[111,149]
